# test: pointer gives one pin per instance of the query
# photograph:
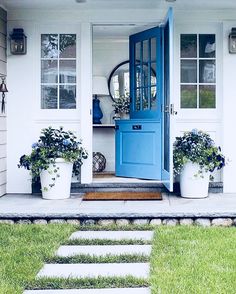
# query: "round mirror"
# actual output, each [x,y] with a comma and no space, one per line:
[118,82]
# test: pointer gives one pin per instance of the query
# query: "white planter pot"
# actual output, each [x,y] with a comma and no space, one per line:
[124,115]
[61,190]
[192,186]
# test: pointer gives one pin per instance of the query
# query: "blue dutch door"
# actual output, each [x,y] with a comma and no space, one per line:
[139,141]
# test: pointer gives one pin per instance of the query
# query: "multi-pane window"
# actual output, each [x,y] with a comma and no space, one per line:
[198,71]
[58,71]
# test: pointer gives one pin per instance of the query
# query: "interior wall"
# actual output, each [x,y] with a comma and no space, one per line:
[3,122]
[107,53]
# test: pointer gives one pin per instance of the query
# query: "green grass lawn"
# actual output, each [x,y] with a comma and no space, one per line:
[184,259]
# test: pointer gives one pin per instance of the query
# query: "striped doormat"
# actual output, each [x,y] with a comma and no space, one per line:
[122,196]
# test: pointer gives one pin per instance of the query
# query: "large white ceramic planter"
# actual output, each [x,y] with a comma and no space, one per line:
[61,190]
[192,186]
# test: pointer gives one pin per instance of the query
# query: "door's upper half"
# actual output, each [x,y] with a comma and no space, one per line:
[145,74]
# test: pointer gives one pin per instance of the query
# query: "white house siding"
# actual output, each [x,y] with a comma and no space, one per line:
[3,124]
[25,119]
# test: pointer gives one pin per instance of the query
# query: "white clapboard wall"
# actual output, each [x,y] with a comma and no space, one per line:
[3,125]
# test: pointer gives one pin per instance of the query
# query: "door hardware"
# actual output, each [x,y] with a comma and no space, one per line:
[172,110]
[137,127]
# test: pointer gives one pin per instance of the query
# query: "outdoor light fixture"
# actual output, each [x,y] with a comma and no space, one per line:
[232,41]
[3,90]
[18,44]
[100,88]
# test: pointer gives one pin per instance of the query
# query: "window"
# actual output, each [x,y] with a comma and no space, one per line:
[198,71]
[58,71]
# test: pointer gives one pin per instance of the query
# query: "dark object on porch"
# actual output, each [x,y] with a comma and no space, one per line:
[122,196]
[99,162]
[3,90]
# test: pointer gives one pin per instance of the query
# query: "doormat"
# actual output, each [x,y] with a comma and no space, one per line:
[122,196]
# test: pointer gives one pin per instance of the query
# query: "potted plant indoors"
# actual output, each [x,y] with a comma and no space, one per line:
[53,158]
[122,107]
[195,157]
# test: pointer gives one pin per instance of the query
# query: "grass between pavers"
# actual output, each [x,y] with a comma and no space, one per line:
[193,260]
[85,258]
[87,283]
[106,242]
[23,249]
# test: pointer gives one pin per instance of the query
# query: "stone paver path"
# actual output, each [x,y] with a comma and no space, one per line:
[83,270]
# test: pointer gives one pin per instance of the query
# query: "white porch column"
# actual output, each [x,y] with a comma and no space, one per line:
[229,108]
[86,98]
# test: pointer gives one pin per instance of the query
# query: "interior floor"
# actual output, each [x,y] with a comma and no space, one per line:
[110,177]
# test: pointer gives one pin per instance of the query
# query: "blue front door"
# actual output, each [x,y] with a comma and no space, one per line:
[139,140]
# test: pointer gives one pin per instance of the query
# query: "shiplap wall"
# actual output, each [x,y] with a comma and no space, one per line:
[3,125]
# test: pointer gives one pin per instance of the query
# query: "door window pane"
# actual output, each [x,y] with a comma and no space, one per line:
[138,98]
[207,96]
[207,46]
[188,96]
[67,71]
[67,45]
[153,49]
[138,52]
[188,71]
[153,98]
[67,97]
[146,51]
[188,45]
[207,71]
[49,71]
[49,46]
[49,97]
[145,104]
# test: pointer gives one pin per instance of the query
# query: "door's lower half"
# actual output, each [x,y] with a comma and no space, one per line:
[138,149]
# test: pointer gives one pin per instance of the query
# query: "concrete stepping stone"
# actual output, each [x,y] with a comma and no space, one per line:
[93,291]
[103,250]
[137,270]
[113,235]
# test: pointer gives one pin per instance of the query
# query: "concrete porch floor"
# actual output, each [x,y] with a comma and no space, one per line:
[33,206]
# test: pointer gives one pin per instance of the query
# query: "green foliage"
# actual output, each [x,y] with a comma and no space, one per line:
[53,144]
[122,104]
[197,147]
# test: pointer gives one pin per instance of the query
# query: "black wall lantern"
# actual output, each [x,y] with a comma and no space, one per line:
[18,42]
[232,41]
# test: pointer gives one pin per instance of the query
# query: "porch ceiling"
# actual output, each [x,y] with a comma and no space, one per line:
[117,4]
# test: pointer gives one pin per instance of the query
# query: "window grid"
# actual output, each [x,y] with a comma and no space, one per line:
[198,83]
[58,84]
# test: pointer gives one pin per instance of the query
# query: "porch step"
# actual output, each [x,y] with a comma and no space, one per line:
[93,291]
[137,270]
[68,251]
[113,235]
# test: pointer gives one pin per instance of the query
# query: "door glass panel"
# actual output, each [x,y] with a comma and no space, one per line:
[146,51]
[153,98]
[49,46]
[67,46]
[153,74]
[207,96]
[188,96]
[49,97]
[207,46]
[153,49]
[137,101]
[49,71]
[188,45]
[207,71]
[137,52]
[67,71]
[145,100]
[67,97]
[138,80]
[188,71]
